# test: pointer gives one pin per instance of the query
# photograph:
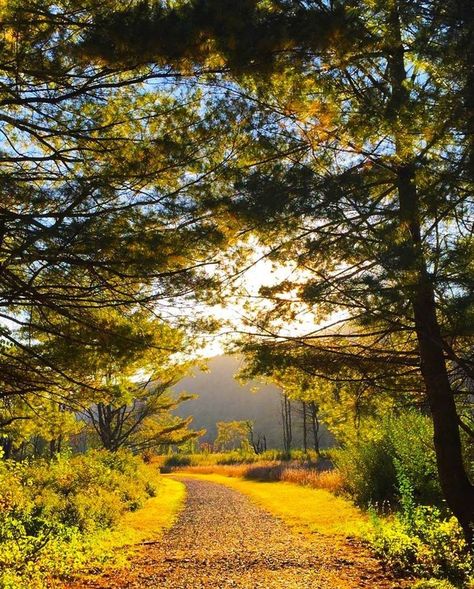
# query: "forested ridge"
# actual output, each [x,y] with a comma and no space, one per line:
[308,163]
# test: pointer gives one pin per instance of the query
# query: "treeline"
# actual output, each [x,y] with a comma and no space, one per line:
[120,396]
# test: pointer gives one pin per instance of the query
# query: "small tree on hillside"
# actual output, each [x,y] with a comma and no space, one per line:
[231,435]
[258,441]
[123,379]
[144,423]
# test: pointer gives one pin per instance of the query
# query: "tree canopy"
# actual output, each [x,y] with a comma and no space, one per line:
[339,133]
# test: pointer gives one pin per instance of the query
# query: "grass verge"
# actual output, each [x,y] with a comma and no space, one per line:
[157,515]
[305,510]
[147,524]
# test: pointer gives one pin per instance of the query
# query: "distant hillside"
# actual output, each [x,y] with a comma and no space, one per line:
[222,398]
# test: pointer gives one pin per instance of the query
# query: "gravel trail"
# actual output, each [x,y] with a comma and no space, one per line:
[222,540]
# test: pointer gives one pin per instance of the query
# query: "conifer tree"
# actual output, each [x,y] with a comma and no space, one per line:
[357,166]
[95,164]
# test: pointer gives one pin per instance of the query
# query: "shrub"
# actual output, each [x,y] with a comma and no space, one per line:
[411,437]
[421,541]
[237,457]
[271,471]
[175,461]
[49,512]
[401,446]
[368,471]
[433,584]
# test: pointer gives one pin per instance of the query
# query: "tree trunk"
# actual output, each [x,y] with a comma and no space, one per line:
[286,422]
[315,426]
[7,447]
[52,448]
[457,489]
[305,432]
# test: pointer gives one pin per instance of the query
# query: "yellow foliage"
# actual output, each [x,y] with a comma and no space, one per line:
[156,516]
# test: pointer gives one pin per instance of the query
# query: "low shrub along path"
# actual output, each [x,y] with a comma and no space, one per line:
[221,539]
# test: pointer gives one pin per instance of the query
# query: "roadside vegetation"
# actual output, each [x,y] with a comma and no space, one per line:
[72,515]
[388,470]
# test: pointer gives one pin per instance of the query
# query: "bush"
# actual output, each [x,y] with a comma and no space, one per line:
[49,512]
[421,541]
[368,471]
[175,461]
[240,457]
[393,465]
[236,457]
[433,584]
[398,447]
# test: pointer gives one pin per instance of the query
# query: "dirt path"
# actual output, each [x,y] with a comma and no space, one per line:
[222,540]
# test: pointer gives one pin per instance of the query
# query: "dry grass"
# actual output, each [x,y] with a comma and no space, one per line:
[297,474]
[330,480]
[228,470]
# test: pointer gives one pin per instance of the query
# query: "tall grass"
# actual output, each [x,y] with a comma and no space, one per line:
[304,474]
[236,457]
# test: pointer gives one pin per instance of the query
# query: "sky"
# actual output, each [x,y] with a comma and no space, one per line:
[234,312]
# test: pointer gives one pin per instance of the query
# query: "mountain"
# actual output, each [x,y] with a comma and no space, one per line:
[222,398]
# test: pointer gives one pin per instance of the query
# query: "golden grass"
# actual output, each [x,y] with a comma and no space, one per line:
[228,470]
[275,471]
[157,515]
[331,480]
[305,510]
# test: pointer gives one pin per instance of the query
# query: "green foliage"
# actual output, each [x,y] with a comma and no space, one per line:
[433,584]
[184,32]
[246,457]
[238,457]
[98,232]
[421,541]
[51,513]
[176,460]
[232,435]
[368,471]
[387,455]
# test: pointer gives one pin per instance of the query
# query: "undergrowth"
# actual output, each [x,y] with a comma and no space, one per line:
[53,515]
[424,541]
[235,457]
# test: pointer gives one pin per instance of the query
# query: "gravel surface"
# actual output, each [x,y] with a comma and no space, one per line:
[222,540]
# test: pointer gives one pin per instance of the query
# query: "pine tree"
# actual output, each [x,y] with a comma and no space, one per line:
[95,164]
[358,167]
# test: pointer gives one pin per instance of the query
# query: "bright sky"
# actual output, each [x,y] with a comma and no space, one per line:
[234,312]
